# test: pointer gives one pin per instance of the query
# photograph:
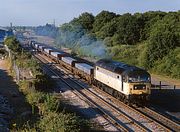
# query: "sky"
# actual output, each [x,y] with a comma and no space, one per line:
[40,12]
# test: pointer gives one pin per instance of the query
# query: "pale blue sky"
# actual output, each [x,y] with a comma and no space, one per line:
[40,12]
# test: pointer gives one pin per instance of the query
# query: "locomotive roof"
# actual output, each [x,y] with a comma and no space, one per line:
[119,67]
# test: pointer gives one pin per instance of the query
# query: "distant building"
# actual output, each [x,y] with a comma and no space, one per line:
[4,32]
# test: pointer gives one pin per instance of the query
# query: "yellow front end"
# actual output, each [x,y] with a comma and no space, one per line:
[140,88]
[139,91]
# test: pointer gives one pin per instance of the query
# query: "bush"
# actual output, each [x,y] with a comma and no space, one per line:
[51,104]
[43,82]
[142,56]
[13,44]
[125,53]
[60,122]
[34,98]
[169,65]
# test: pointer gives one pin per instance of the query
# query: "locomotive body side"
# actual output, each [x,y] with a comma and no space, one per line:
[111,79]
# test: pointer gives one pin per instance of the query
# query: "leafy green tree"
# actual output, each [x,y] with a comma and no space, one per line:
[147,20]
[127,29]
[169,65]
[108,30]
[101,19]
[163,38]
[13,44]
[85,20]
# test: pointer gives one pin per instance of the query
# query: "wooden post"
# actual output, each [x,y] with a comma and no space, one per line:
[174,87]
[160,85]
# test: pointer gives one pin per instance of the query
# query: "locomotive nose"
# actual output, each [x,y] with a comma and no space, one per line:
[139,87]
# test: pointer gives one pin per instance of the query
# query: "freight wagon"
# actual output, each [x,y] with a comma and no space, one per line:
[85,71]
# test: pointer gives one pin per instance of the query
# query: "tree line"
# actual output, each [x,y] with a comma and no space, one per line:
[150,40]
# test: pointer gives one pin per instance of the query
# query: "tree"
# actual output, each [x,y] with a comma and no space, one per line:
[13,44]
[108,30]
[101,19]
[146,21]
[163,38]
[85,20]
[127,29]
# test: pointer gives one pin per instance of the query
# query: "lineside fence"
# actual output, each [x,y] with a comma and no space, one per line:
[19,72]
[14,66]
[163,85]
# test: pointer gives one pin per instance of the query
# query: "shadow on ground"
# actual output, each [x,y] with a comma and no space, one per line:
[167,98]
[9,89]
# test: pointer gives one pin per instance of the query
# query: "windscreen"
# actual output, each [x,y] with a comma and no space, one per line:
[139,78]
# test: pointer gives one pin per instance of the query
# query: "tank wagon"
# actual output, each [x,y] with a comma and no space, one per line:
[125,82]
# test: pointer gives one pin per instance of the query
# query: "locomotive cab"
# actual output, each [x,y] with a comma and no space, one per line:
[139,85]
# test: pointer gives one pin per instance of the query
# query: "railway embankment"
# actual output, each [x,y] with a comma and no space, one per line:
[32,96]
[12,102]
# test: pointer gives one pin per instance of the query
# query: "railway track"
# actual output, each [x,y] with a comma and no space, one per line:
[113,121]
[117,118]
[118,115]
[148,117]
[149,114]
[174,126]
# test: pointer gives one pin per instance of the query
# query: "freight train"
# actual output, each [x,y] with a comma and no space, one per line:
[125,82]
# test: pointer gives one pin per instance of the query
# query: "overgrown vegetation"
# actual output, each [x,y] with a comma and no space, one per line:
[47,113]
[143,39]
